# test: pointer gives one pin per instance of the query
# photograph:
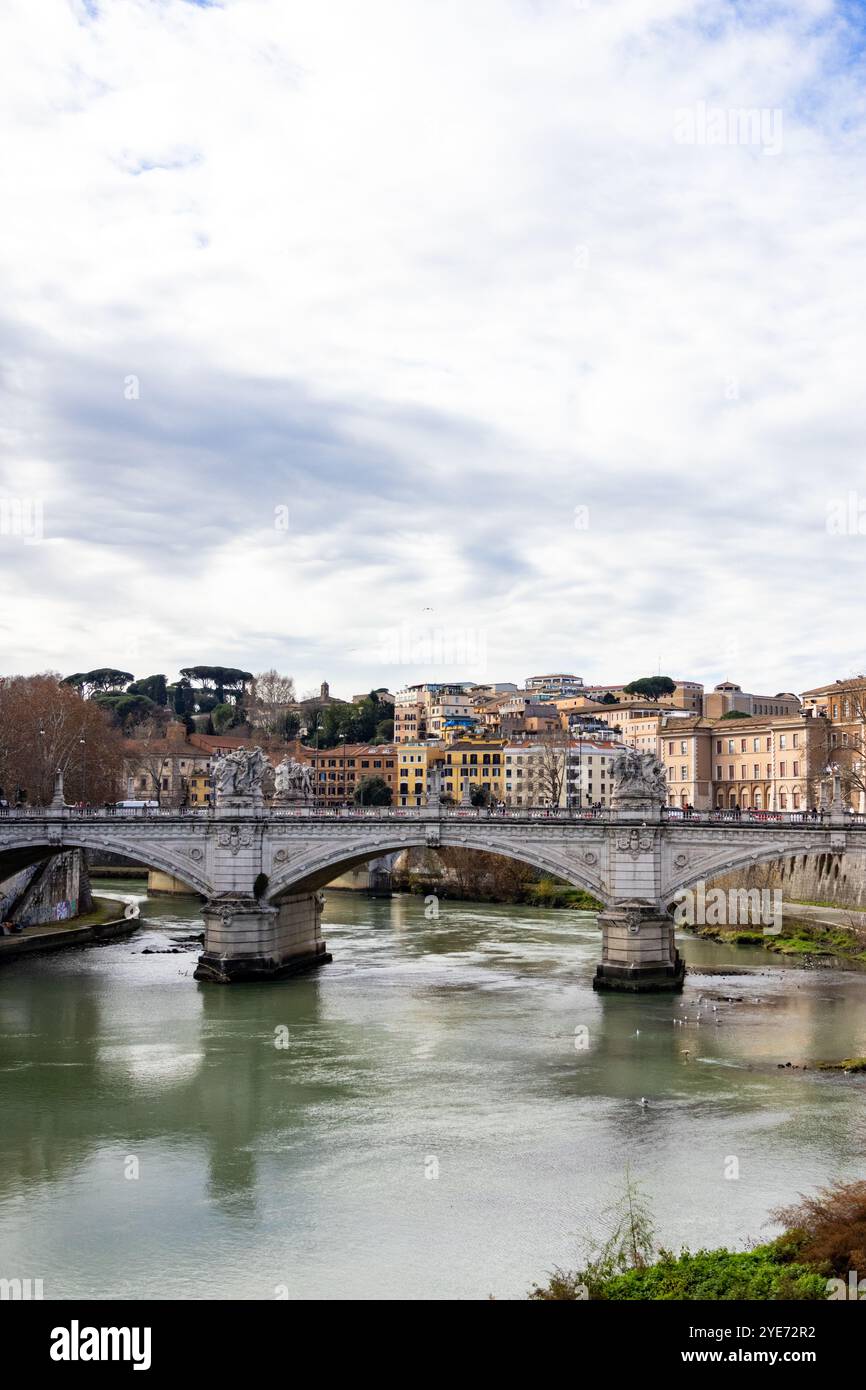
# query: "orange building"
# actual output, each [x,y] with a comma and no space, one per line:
[337,772]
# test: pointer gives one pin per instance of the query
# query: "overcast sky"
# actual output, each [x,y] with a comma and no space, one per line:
[433,338]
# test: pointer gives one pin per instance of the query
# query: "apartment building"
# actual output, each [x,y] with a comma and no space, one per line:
[528,720]
[637,724]
[840,706]
[527,781]
[685,748]
[768,763]
[554,686]
[200,788]
[421,711]
[589,779]
[337,772]
[687,695]
[574,775]
[415,761]
[460,768]
[470,764]
[175,768]
[727,696]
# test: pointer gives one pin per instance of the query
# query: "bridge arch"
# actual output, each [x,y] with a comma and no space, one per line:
[313,872]
[733,858]
[31,849]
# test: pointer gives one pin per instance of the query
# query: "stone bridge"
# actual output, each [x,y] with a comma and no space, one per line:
[260,871]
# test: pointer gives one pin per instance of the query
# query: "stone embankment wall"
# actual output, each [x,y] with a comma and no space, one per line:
[373,877]
[55,890]
[838,879]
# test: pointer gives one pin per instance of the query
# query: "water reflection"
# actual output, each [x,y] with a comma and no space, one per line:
[453,1040]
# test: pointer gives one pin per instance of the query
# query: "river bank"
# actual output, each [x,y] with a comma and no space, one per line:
[814,936]
[90,928]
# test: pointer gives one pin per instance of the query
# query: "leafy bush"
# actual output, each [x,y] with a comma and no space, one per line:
[548,893]
[826,1236]
[718,1275]
[224,717]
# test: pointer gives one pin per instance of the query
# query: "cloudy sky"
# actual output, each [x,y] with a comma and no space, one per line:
[395,340]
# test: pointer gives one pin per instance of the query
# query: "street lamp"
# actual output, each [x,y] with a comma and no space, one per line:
[83,745]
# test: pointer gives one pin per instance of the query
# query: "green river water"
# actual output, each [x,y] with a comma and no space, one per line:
[434,1127]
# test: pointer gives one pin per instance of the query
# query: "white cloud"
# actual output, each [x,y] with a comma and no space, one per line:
[432,277]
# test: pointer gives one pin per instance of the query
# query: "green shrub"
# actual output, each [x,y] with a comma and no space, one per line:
[826,1235]
[718,1275]
[710,1275]
[547,893]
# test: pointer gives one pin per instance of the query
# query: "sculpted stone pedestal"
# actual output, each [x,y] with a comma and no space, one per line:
[246,940]
[638,951]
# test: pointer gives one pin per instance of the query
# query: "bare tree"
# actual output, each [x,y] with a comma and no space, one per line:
[46,725]
[841,741]
[553,744]
[848,742]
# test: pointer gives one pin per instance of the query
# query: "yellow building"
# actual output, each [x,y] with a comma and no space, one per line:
[472,763]
[413,771]
[200,789]
[463,766]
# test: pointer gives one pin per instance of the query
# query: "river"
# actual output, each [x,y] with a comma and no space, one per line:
[433,1127]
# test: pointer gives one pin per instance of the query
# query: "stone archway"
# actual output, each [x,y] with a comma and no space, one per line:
[314,873]
[35,844]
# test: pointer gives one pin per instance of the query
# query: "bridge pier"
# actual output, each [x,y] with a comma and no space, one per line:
[638,952]
[246,940]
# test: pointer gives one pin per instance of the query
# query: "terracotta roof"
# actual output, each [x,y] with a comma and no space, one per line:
[833,687]
[352,750]
[763,720]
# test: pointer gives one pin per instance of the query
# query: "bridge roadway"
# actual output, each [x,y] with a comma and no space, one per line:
[260,871]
